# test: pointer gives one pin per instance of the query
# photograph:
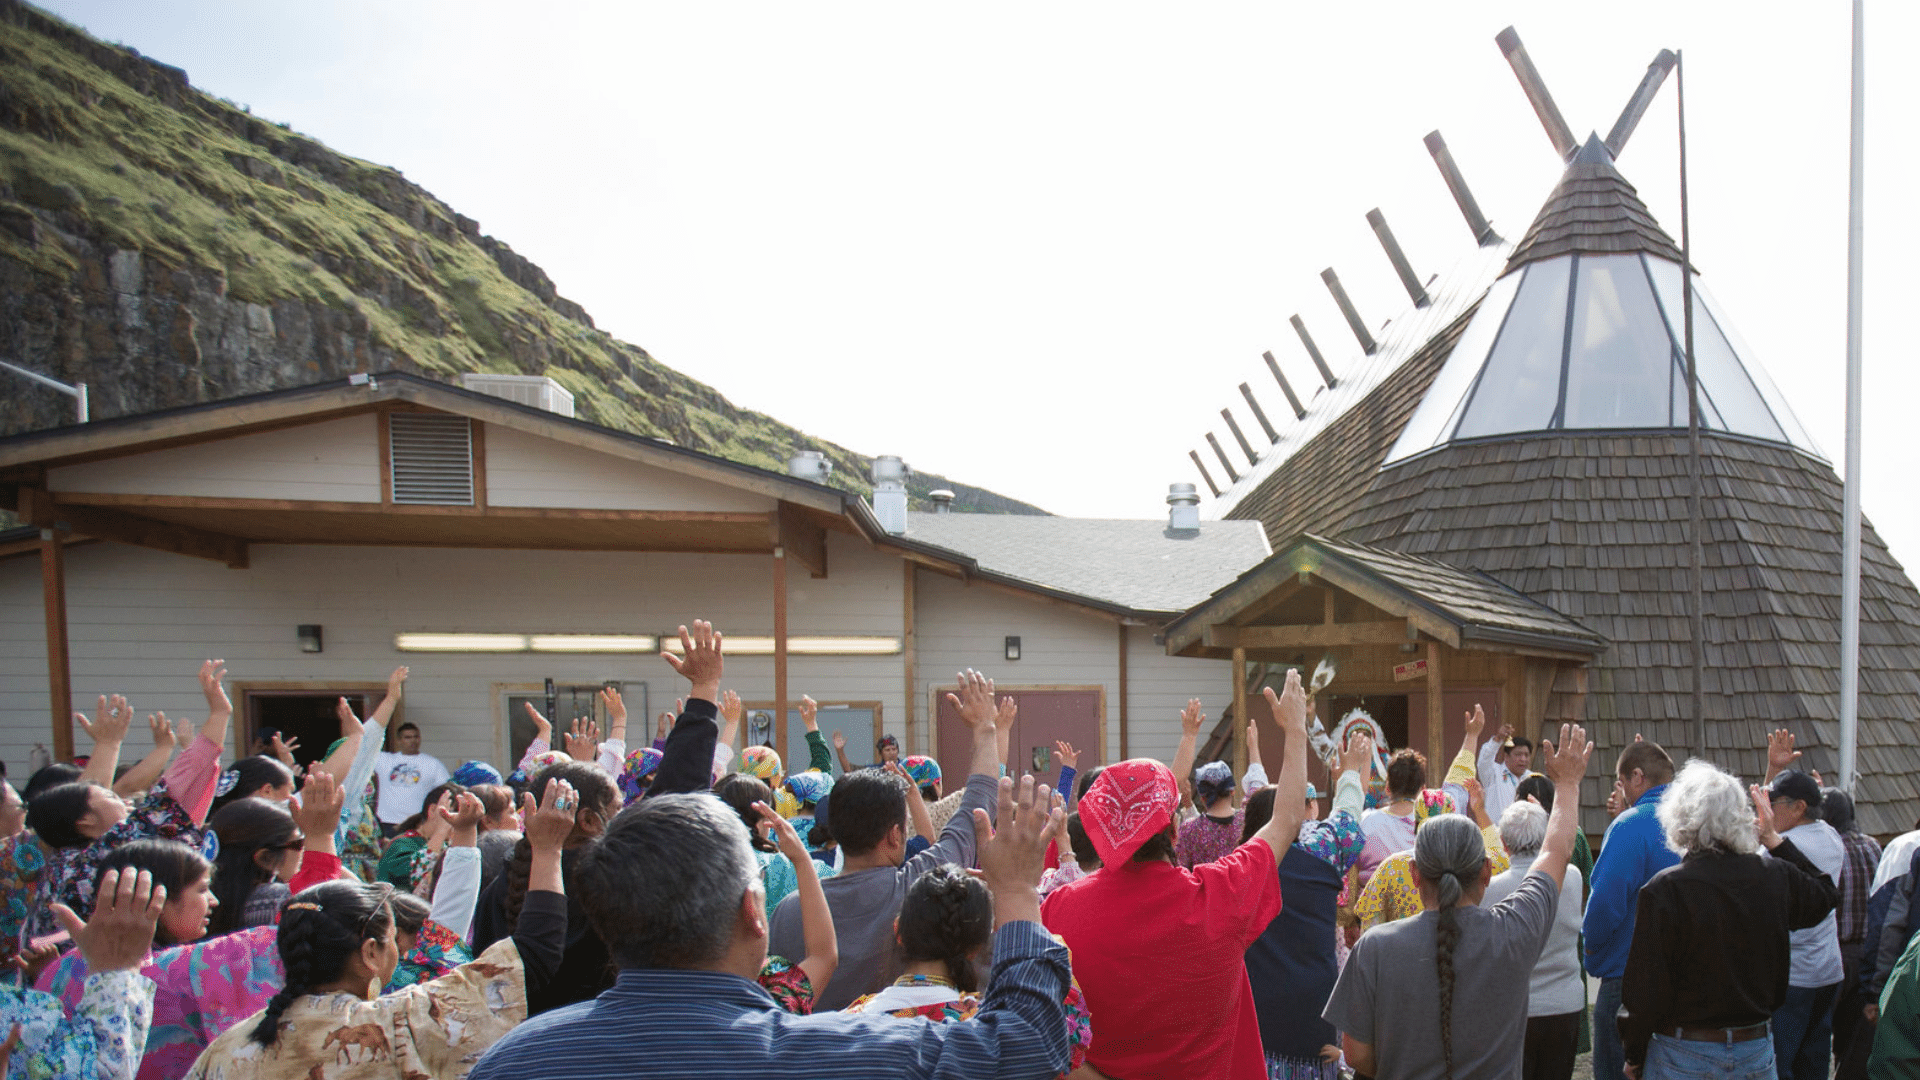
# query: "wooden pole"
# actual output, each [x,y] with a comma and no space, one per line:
[1696,552]
[780,648]
[1240,716]
[910,658]
[1436,716]
[1123,700]
[53,583]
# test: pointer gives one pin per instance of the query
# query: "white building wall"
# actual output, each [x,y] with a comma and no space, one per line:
[331,461]
[527,470]
[963,626]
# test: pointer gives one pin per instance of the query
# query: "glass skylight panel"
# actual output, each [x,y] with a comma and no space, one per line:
[1737,402]
[1619,356]
[1520,387]
[1757,371]
[1431,423]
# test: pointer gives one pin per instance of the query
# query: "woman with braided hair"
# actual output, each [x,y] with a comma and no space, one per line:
[1387,1015]
[337,944]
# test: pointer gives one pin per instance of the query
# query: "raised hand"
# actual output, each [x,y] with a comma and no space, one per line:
[662,725]
[1289,705]
[616,707]
[397,679]
[463,817]
[1566,762]
[839,740]
[810,713]
[583,742]
[284,749]
[1504,735]
[1617,800]
[702,663]
[163,737]
[551,823]
[112,719]
[349,723]
[1476,723]
[1064,755]
[1476,801]
[731,711]
[436,826]
[1763,815]
[1007,711]
[318,810]
[1013,858]
[784,836]
[974,701]
[1781,755]
[1358,755]
[212,674]
[126,906]
[1191,718]
[543,727]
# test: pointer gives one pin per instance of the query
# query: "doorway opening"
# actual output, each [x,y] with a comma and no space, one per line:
[306,713]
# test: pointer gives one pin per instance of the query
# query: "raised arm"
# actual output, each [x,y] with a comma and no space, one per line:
[816,919]
[686,764]
[457,891]
[541,935]
[149,768]
[1781,755]
[840,751]
[1290,787]
[116,1001]
[916,805]
[817,756]
[219,710]
[111,720]
[1190,720]
[616,707]
[1565,764]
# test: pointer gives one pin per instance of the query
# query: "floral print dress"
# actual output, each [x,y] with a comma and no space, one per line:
[104,1037]
[929,998]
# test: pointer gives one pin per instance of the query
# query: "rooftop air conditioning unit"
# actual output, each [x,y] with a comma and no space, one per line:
[535,390]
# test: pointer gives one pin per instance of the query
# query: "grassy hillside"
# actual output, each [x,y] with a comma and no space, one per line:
[238,221]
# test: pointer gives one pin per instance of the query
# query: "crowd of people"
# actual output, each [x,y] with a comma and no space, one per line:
[686,909]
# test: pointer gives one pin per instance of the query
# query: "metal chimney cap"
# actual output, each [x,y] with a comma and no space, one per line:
[1182,495]
[942,500]
[890,467]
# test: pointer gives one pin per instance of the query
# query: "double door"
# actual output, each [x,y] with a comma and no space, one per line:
[1071,714]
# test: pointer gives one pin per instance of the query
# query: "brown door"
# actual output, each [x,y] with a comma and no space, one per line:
[1069,714]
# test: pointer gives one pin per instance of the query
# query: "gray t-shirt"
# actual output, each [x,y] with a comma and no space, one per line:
[1388,994]
[865,903]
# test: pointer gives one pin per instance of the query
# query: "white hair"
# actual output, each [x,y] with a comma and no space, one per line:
[1523,828]
[1706,809]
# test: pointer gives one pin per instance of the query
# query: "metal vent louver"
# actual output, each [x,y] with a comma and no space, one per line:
[432,457]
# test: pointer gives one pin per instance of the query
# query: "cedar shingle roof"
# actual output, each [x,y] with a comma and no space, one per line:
[1594,528]
[1593,210]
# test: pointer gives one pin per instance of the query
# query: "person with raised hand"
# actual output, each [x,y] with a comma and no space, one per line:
[353,758]
[674,884]
[867,813]
[1711,958]
[406,777]
[106,1031]
[141,775]
[337,944]
[1385,1008]
[1142,920]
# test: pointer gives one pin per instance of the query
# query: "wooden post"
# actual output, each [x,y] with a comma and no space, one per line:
[1239,716]
[1123,700]
[780,648]
[1436,716]
[909,658]
[53,583]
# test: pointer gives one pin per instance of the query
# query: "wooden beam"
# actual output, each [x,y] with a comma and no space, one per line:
[1239,715]
[383,435]
[53,584]
[910,656]
[1326,606]
[315,506]
[1388,601]
[802,538]
[1436,714]
[1123,704]
[39,509]
[779,647]
[1387,632]
[477,454]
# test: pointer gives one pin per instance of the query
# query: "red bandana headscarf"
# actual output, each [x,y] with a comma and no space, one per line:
[1126,806]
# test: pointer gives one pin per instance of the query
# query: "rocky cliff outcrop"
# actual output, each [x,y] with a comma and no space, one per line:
[167,248]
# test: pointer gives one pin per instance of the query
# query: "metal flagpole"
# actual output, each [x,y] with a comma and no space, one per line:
[1850,513]
[1696,553]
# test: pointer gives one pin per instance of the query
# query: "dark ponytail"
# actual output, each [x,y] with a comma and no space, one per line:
[740,791]
[1448,851]
[947,916]
[320,931]
[245,828]
[251,777]
[597,795]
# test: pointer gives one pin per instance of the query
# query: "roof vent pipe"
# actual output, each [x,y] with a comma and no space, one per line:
[890,493]
[1240,437]
[1259,413]
[809,465]
[942,500]
[1408,279]
[1354,321]
[1183,508]
[1204,474]
[1536,89]
[1232,476]
[1637,105]
[1483,233]
[1326,373]
[1299,410]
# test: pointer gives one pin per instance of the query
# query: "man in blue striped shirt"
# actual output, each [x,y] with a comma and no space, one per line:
[675,891]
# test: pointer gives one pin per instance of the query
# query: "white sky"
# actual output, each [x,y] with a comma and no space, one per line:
[1035,247]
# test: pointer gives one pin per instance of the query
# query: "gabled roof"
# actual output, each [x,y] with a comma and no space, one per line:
[1594,210]
[1139,564]
[1463,608]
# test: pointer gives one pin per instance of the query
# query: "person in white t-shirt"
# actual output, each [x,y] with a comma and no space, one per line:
[405,775]
[1803,1027]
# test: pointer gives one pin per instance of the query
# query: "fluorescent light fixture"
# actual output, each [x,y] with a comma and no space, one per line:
[803,645]
[593,643]
[520,643]
[460,642]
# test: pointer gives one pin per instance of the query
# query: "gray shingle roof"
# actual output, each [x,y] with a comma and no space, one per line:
[1594,210]
[1138,564]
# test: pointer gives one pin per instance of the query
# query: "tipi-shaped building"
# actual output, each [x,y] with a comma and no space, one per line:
[1539,438]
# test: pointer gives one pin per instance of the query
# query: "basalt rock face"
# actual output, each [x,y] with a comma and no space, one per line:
[167,247]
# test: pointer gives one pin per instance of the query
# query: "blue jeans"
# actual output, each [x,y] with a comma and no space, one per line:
[1669,1058]
[1609,1057]
[1803,1032]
